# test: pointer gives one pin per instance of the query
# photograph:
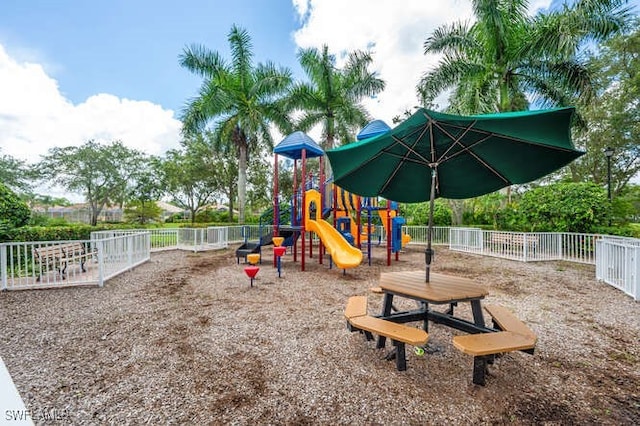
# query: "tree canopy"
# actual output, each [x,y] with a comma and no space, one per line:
[100,172]
[14,173]
[613,117]
[13,211]
[188,177]
[505,58]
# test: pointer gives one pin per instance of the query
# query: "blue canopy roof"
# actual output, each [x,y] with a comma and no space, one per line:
[292,146]
[373,128]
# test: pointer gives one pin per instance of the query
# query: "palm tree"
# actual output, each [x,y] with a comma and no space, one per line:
[241,100]
[332,96]
[505,59]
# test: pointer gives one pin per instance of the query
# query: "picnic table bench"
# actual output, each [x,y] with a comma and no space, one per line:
[400,334]
[514,336]
[58,256]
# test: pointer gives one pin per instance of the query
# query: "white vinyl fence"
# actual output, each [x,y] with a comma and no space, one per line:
[52,264]
[618,264]
[521,246]
[617,259]
[116,255]
[439,236]
[110,253]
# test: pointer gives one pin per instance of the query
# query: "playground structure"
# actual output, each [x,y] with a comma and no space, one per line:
[342,253]
[359,219]
[313,201]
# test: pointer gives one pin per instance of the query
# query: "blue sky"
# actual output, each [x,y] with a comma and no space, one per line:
[74,70]
[129,48]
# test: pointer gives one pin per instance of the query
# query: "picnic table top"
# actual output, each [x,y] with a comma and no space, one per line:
[440,288]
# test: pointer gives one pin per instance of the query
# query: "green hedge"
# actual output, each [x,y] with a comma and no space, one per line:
[59,233]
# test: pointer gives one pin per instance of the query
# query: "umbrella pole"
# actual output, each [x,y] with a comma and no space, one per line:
[428,254]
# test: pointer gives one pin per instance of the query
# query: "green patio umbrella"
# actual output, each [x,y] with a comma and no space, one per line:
[432,154]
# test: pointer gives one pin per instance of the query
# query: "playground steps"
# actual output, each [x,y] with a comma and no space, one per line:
[245,249]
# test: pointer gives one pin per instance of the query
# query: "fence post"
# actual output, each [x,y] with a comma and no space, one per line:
[130,242]
[636,273]
[560,252]
[100,250]
[3,265]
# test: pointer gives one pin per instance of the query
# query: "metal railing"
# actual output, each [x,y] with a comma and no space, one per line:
[31,265]
[28,265]
[242,233]
[116,255]
[618,264]
[616,258]
[161,239]
[521,246]
[110,253]
[439,235]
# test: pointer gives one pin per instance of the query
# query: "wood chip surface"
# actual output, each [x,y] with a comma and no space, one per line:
[184,339]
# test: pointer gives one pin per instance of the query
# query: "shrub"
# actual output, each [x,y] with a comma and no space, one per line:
[418,214]
[564,207]
[13,211]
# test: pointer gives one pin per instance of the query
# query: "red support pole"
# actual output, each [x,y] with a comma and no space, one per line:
[295,207]
[317,207]
[398,251]
[389,233]
[322,201]
[276,203]
[304,207]
[335,204]
[321,185]
[359,223]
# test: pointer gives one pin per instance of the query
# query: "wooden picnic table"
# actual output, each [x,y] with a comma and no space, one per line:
[483,343]
[441,289]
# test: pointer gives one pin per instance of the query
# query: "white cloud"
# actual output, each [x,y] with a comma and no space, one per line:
[394,30]
[35,116]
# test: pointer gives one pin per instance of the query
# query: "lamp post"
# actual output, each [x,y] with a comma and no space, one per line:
[608,152]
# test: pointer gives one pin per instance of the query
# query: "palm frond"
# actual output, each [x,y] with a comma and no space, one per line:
[271,81]
[473,96]
[357,80]
[449,72]
[316,64]
[241,53]
[202,61]
[309,119]
[450,39]
[556,83]
[599,19]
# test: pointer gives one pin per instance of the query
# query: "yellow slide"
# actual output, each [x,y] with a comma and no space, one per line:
[383,216]
[343,254]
